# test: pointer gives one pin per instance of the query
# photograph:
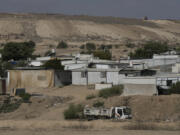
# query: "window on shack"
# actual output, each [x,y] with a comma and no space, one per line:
[103,74]
[169,82]
[83,74]
[120,112]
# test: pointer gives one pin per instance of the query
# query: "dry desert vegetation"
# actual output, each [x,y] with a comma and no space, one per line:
[44,114]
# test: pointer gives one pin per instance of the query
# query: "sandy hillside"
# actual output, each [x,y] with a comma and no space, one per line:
[44,115]
[47,30]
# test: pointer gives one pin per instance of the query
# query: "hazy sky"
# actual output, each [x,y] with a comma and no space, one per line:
[155,9]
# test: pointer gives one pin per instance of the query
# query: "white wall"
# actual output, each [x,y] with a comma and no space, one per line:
[113,77]
[101,66]
[74,66]
[154,62]
[36,63]
[176,68]
[139,80]
[165,56]
[43,58]
[121,78]
[95,77]
[77,79]
[102,86]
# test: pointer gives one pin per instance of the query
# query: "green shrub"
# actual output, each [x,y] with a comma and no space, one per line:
[63,45]
[148,49]
[175,88]
[90,46]
[25,97]
[47,53]
[74,112]
[82,47]
[53,64]
[103,54]
[9,106]
[18,51]
[105,47]
[130,45]
[90,97]
[98,104]
[109,92]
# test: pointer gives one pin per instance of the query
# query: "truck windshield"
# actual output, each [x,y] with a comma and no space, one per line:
[127,111]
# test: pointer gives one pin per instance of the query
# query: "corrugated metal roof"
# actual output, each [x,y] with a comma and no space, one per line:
[96,70]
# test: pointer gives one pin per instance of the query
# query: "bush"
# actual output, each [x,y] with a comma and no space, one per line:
[90,46]
[25,97]
[98,104]
[53,64]
[105,47]
[109,92]
[47,53]
[62,45]
[90,97]
[130,45]
[18,51]
[82,47]
[74,112]
[148,49]
[175,88]
[9,106]
[103,55]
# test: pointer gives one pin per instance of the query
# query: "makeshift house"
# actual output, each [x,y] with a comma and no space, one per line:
[165,81]
[92,76]
[37,78]
[139,79]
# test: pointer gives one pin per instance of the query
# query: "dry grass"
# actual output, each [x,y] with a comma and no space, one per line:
[79,126]
[152,126]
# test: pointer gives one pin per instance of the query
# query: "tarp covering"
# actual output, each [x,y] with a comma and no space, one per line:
[30,79]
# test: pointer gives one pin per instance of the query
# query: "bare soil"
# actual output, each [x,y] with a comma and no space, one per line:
[47,30]
[44,115]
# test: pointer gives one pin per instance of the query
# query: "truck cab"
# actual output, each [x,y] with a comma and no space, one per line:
[121,113]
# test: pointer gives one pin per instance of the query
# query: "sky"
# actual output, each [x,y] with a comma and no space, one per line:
[154,9]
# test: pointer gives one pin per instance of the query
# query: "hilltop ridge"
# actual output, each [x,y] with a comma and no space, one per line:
[46,29]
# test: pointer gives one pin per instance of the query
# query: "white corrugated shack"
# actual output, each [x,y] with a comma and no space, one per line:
[134,84]
[92,76]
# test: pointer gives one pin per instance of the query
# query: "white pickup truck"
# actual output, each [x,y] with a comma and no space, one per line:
[121,113]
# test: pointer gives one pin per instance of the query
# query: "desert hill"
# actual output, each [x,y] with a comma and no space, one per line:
[49,29]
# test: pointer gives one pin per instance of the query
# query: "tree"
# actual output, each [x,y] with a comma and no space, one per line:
[148,49]
[63,45]
[103,54]
[145,18]
[18,51]
[175,88]
[90,46]
[82,47]
[53,64]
